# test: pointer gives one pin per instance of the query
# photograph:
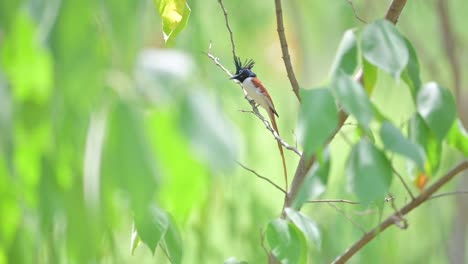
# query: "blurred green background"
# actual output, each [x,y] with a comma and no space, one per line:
[98,117]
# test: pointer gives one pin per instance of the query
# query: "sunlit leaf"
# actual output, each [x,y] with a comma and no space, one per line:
[315,181]
[353,98]
[346,55]
[370,74]
[437,107]
[180,193]
[384,46]
[394,141]
[286,241]
[308,227]
[27,65]
[419,133]
[174,14]
[318,118]
[209,131]
[458,137]
[369,172]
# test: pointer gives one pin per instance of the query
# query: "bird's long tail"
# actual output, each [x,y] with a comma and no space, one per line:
[280,147]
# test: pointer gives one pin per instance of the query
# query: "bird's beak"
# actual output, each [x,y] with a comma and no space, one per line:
[234,77]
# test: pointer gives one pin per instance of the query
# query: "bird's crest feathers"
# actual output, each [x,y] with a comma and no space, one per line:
[248,64]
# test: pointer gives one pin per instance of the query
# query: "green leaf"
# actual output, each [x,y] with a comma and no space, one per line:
[306,225]
[411,73]
[318,119]
[420,133]
[127,162]
[315,181]
[287,243]
[346,56]
[370,74]
[384,46]
[353,98]
[156,227]
[394,141]
[458,137]
[437,107]
[180,193]
[28,66]
[173,242]
[151,224]
[369,172]
[209,130]
[175,15]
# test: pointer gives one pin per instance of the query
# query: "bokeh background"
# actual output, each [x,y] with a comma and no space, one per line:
[98,115]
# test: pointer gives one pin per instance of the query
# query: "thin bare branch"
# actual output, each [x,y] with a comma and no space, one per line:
[285,50]
[400,220]
[231,35]
[332,201]
[421,198]
[351,3]
[273,131]
[403,182]
[447,194]
[262,177]
[348,217]
[216,61]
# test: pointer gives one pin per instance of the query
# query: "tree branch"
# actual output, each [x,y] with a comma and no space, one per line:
[332,201]
[284,49]
[424,196]
[231,35]
[262,177]
[305,163]
[394,10]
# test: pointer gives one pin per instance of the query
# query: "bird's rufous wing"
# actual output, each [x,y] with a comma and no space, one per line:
[259,85]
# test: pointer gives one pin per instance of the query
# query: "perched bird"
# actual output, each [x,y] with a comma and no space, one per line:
[255,89]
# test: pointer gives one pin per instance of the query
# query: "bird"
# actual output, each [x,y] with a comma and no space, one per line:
[257,91]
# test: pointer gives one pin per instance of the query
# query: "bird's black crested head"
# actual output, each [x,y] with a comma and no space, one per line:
[243,70]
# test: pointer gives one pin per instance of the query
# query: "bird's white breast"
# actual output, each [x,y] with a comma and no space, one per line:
[254,92]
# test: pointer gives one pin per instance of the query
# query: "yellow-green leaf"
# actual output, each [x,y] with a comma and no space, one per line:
[174,14]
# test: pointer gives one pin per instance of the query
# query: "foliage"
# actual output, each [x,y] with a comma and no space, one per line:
[106,143]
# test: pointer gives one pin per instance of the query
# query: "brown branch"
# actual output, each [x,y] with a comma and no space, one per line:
[305,163]
[424,196]
[262,177]
[231,35]
[394,10]
[285,50]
